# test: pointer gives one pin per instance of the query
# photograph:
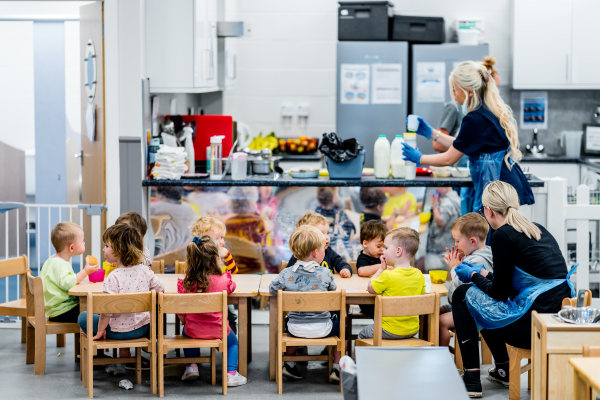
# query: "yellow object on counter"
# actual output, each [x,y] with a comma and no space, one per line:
[438,275]
[108,267]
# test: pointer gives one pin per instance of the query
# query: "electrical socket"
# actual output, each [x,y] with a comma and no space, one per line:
[303,110]
[287,110]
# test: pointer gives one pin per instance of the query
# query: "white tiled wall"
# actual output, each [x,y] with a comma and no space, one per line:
[288,55]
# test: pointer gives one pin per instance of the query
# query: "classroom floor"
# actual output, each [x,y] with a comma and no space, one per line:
[62,376]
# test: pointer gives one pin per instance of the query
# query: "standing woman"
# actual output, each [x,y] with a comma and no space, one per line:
[530,273]
[488,134]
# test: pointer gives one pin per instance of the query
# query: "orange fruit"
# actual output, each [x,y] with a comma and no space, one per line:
[91,260]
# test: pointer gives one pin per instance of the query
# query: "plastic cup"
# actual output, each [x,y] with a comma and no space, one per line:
[97,276]
[412,123]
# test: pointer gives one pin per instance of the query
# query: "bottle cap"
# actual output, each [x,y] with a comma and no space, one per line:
[382,136]
[410,134]
[399,135]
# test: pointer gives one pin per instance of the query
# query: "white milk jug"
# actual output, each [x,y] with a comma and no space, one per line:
[381,157]
[398,163]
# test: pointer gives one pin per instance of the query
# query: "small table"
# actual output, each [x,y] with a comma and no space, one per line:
[417,373]
[586,376]
[356,293]
[247,286]
[553,344]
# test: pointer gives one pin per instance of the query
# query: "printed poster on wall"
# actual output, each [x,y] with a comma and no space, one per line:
[431,82]
[387,84]
[354,83]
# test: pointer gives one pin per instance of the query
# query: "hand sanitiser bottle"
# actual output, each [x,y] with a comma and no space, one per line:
[381,157]
[397,162]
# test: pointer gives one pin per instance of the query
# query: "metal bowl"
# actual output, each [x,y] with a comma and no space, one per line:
[578,315]
[261,167]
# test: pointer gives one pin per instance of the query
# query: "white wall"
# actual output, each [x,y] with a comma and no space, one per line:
[289,55]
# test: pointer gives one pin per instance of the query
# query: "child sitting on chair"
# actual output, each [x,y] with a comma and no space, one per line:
[204,275]
[215,229]
[397,277]
[372,235]
[331,260]
[139,223]
[308,243]
[123,246]
[374,199]
[58,276]
[469,232]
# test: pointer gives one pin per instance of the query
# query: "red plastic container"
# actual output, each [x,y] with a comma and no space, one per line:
[97,276]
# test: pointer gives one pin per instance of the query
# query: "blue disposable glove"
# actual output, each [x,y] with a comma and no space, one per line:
[424,128]
[465,269]
[411,153]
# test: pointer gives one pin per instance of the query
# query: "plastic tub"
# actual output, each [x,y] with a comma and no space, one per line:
[97,276]
[351,169]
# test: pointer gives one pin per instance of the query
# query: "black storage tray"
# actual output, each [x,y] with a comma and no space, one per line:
[417,29]
[365,20]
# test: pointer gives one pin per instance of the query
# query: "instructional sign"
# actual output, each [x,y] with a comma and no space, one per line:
[387,83]
[354,83]
[431,83]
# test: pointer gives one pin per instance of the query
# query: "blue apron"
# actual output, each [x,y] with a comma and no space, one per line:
[488,167]
[490,313]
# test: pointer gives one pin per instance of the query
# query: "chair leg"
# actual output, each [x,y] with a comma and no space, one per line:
[279,376]
[514,374]
[82,367]
[60,340]
[153,371]
[40,352]
[23,329]
[457,354]
[213,366]
[224,370]
[89,372]
[161,374]
[330,362]
[138,365]
[177,332]
[30,345]
[486,354]
[76,347]
[529,379]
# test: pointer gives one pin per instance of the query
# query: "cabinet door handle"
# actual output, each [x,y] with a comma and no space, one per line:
[567,67]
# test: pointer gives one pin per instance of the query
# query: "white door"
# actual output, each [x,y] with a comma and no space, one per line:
[586,43]
[541,43]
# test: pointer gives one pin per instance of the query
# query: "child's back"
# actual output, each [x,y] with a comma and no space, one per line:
[58,278]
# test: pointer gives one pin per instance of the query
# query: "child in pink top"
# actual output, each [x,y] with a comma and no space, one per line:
[123,246]
[203,274]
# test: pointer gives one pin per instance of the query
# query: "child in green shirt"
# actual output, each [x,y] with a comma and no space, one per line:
[58,275]
[397,277]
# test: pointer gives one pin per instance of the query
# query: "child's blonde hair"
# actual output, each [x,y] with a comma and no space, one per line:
[63,234]
[304,240]
[126,243]
[406,238]
[203,226]
[472,224]
[311,218]
[502,198]
[474,76]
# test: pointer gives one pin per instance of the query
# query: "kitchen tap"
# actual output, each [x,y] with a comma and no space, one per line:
[534,148]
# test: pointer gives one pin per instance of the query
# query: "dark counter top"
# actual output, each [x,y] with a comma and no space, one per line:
[549,159]
[285,180]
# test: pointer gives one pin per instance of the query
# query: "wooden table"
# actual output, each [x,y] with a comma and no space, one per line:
[416,372]
[247,286]
[554,343]
[356,293]
[586,376]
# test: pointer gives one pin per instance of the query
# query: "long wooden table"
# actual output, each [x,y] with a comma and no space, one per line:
[586,377]
[356,293]
[247,286]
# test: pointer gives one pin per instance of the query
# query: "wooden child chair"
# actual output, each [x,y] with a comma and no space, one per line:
[37,327]
[158,266]
[16,266]
[403,306]
[516,354]
[192,303]
[119,303]
[486,354]
[308,301]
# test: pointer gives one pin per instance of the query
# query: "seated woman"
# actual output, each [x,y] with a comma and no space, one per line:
[530,273]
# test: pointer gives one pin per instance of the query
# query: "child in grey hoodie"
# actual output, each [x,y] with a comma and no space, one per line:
[469,233]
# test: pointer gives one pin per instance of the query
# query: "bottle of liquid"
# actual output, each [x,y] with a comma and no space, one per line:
[381,157]
[410,138]
[189,149]
[398,164]
[216,159]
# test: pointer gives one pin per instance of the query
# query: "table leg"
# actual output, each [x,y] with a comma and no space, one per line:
[243,336]
[272,336]
[249,314]
[581,390]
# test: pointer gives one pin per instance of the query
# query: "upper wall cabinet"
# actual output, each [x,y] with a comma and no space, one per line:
[555,44]
[181,46]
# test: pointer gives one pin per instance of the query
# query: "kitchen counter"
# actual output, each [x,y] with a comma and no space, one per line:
[285,180]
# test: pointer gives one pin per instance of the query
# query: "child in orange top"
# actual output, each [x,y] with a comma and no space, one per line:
[203,274]
[216,230]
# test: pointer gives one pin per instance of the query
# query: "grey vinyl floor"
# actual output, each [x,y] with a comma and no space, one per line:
[61,380]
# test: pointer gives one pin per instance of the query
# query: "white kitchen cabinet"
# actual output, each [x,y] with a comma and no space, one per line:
[181,46]
[554,44]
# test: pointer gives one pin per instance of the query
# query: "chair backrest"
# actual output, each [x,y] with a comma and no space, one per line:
[121,303]
[404,306]
[311,301]
[158,266]
[240,247]
[35,299]
[15,266]
[180,267]
[591,351]
[351,263]
[572,301]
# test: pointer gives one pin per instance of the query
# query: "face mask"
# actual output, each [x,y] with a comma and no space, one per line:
[464,107]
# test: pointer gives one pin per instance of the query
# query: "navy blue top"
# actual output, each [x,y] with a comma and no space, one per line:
[481,132]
